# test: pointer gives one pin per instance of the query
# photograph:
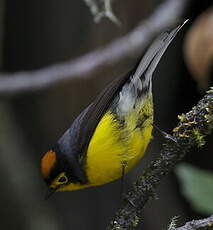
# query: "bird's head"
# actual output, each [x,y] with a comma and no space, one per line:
[54,171]
[59,173]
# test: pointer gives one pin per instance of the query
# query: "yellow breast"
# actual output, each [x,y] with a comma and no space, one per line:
[112,144]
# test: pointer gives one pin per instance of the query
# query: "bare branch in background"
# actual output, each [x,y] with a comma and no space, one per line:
[131,45]
[101,9]
[190,132]
[206,223]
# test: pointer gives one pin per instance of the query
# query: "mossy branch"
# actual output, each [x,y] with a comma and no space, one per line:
[206,223]
[190,132]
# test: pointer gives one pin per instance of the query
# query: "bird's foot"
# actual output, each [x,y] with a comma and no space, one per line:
[165,135]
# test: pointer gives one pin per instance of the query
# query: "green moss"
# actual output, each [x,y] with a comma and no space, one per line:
[182,118]
[135,221]
[199,138]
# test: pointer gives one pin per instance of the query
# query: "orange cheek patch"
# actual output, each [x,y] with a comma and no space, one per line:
[47,163]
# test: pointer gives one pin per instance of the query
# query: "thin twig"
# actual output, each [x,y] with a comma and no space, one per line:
[101,9]
[206,223]
[131,45]
[190,132]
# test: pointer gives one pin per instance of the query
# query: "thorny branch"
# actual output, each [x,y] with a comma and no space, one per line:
[190,132]
[206,223]
[131,45]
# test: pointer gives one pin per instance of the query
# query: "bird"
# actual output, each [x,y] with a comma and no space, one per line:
[111,135]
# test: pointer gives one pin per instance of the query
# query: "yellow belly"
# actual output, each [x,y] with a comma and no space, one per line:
[111,145]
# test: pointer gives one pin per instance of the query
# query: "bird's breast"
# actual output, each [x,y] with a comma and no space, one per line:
[117,141]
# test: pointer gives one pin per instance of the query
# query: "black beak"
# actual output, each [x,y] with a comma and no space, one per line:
[50,192]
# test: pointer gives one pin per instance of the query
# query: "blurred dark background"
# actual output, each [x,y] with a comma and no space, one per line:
[38,33]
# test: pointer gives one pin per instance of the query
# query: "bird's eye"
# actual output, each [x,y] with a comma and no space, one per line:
[63,180]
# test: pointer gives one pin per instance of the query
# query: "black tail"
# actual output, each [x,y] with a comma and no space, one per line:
[152,57]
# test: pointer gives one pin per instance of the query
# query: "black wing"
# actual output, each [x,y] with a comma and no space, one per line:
[97,109]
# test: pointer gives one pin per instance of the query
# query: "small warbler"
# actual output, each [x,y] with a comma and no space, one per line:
[111,135]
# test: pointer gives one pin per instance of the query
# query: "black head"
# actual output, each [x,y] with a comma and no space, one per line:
[60,170]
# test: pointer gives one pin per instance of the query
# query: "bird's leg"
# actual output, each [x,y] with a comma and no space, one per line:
[123,168]
[164,134]
[123,192]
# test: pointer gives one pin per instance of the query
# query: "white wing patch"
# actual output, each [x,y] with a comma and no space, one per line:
[128,96]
